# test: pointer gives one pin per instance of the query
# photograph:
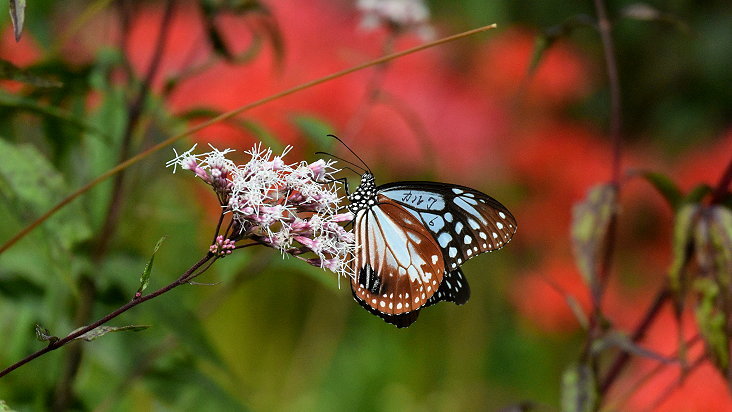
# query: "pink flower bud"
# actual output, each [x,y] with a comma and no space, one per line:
[342,217]
[312,244]
[318,169]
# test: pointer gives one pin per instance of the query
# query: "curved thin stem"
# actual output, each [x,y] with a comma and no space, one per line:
[611,65]
[131,161]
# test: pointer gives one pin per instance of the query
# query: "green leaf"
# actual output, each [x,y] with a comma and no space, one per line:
[188,329]
[43,335]
[262,134]
[17,15]
[646,12]
[712,320]
[666,187]
[549,36]
[697,193]
[103,330]
[172,385]
[683,231]
[313,128]
[713,248]
[145,278]
[52,112]
[579,389]
[10,71]
[590,222]
[4,407]
[31,186]
[720,230]
[259,131]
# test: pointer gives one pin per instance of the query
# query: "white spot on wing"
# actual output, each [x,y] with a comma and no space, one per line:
[473,224]
[459,227]
[413,275]
[444,239]
[416,239]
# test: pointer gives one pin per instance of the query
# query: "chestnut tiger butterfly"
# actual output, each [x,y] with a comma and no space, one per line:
[412,237]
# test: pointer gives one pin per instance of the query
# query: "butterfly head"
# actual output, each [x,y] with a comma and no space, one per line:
[365,195]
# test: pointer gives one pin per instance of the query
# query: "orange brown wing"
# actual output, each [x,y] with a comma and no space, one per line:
[399,265]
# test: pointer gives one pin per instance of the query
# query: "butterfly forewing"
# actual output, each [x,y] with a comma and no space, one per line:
[399,265]
[463,221]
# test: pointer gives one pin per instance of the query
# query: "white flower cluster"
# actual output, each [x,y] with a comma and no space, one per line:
[290,207]
[400,15]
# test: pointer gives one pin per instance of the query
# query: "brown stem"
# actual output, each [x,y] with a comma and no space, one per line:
[622,359]
[182,280]
[605,29]
[608,46]
[723,186]
[135,112]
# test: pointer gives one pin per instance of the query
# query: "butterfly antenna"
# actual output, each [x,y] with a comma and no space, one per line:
[344,161]
[352,152]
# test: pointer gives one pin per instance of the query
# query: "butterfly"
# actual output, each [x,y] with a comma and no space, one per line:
[412,237]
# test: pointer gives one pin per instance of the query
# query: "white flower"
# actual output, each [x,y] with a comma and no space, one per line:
[396,14]
[294,208]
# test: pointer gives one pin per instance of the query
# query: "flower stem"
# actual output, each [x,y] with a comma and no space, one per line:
[621,361]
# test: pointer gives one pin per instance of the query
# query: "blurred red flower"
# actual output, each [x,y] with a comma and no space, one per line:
[561,76]
[705,163]
[541,295]
[428,120]
[21,54]
[704,389]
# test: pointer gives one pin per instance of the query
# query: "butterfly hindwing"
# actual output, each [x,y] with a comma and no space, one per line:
[454,288]
[463,221]
[401,320]
[399,265]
